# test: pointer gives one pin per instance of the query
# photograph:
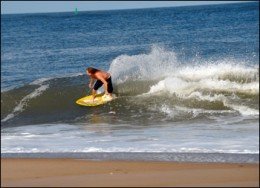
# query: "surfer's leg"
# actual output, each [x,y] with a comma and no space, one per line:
[97,85]
[109,86]
[108,97]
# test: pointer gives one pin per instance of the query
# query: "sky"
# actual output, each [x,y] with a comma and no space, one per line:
[15,7]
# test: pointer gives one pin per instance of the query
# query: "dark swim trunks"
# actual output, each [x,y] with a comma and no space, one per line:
[98,84]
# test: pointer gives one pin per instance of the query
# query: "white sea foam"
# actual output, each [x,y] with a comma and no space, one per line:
[192,90]
[244,110]
[70,138]
[160,63]
[156,64]
[211,81]
[180,86]
[223,69]
[175,111]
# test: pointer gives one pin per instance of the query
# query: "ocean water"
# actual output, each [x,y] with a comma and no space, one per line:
[186,80]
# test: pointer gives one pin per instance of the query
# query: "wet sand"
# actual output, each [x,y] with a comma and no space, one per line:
[84,173]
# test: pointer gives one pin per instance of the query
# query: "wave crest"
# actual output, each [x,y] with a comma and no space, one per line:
[234,83]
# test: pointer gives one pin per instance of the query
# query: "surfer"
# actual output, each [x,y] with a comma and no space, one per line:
[102,77]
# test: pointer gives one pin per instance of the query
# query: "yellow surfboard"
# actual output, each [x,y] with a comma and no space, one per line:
[88,100]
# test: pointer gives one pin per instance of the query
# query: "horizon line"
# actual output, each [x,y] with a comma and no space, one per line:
[78,11]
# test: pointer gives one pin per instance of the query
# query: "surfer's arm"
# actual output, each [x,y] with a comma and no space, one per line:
[91,82]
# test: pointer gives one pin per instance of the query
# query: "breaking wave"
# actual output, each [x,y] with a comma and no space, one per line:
[145,84]
[229,84]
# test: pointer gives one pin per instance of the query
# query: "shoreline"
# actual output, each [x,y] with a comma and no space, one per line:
[145,156]
[77,172]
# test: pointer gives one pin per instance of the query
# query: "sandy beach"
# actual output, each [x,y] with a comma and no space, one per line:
[75,172]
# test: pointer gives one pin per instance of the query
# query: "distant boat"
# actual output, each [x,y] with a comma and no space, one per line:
[76,11]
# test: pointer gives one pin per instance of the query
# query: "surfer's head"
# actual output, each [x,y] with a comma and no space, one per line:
[91,70]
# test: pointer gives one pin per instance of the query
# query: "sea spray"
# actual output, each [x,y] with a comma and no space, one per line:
[221,81]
